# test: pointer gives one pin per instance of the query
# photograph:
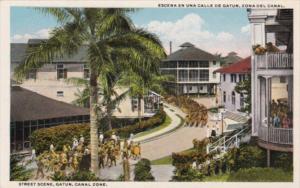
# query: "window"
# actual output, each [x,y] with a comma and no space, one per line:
[203,64]
[194,75]
[214,75]
[224,77]
[233,98]
[224,96]
[183,64]
[31,74]
[282,79]
[134,104]
[214,62]
[194,64]
[204,75]
[59,93]
[242,100]
[201,88]
[86,72]
[183,75]
[61,71]
[233,78]
[242,77]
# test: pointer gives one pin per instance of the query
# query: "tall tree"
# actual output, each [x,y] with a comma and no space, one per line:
[111,39]
[244,87]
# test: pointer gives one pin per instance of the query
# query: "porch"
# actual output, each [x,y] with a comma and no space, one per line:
[276,135]
[274,61]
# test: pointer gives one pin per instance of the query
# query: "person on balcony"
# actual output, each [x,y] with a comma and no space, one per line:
[285,121]
[276,121]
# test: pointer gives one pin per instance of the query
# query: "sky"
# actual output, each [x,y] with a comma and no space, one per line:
[214,30]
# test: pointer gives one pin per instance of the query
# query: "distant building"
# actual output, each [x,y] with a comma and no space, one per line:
[230,76]
[31,111]
[50,81]
[231,57]
[192,70]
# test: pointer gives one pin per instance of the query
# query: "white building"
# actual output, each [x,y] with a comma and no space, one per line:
[192,69]
[50,81]
[230,76]
[274,26]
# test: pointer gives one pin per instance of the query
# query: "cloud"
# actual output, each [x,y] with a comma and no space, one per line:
[41,34]
[224,36]
[192,28]
[245,29]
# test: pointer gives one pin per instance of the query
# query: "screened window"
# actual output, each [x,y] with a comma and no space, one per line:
[61,71]
[233,98]
[203,64]
[224,96]
[183,64]
[183,75]
[194,75]
[233,78]
[224,77]
[242,77]
[194,64]
[204,75]
[86,71]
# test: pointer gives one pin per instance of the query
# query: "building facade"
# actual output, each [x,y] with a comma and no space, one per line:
[272,120]
[51,81]
[230,76]
[192,69]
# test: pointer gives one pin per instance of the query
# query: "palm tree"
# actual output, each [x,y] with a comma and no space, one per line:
[111,39]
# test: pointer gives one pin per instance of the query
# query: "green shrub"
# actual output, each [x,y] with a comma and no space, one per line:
[245,157]
[261,175]
[18,172]
[142,171]
[282,160]
[188,174]
[41,139]
[77,176]
[150,123]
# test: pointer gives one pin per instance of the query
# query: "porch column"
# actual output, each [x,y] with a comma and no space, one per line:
[265,103]
[290,93]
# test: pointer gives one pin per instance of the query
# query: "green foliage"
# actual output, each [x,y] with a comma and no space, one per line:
[261,175]
[77,176]
[142,171]
[282,160]
[150,123]
[188,174]
[245,157]
[60,135]
[17,171]
[244,87]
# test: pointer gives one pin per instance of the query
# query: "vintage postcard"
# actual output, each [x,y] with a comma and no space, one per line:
[119,93]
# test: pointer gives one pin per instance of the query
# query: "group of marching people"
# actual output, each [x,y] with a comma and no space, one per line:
[78,156]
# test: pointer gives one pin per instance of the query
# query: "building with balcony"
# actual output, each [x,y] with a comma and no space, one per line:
[272,107]
[192,70]
[50,81]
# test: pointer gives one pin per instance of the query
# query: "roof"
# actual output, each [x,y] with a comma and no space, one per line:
[242,66]
[27,105]
[18,51]
[189,52]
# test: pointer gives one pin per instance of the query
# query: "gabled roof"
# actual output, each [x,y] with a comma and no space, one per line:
[27,105]
[242,66]
[18,51]
[189,52]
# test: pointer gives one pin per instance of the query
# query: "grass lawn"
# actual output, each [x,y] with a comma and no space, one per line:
[253,175]
[166,123]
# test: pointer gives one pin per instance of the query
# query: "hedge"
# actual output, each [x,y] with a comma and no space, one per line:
[150,123]
[41,139]
[261,175]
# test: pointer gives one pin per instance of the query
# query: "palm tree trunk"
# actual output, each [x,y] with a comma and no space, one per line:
[93,122]
[140,109]
[109,114]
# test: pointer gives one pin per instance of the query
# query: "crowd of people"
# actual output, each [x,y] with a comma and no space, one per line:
[281,117]
[77,157]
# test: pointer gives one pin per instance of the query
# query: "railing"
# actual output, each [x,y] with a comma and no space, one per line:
[274,61]
[276,135]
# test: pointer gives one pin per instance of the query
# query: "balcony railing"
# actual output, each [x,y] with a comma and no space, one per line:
[276,135]
[274,61]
